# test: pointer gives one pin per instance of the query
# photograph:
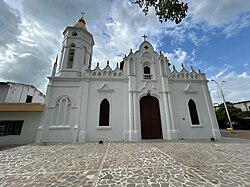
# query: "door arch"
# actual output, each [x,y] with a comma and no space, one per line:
[150,118]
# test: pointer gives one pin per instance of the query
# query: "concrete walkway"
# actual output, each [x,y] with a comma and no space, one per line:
[236,133]
[147,163]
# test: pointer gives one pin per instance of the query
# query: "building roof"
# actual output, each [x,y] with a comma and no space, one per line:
[248,101]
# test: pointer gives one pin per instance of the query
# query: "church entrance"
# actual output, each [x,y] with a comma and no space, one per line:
[150,118]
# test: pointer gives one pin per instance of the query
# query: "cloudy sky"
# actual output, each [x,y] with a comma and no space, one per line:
[215,37]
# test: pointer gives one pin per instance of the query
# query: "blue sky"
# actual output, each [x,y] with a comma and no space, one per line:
[215,37]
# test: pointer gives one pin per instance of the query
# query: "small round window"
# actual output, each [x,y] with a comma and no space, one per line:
[74,33]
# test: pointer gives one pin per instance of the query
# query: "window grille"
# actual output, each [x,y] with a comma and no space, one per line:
[11,127]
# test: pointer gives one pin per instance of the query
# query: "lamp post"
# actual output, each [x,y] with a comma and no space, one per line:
[220,88]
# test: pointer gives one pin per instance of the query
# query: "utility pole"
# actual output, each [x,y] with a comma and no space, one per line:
[223,97]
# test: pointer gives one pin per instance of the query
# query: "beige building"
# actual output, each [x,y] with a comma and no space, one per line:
[243,105]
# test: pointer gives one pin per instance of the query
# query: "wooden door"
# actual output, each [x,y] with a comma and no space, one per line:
[150,118]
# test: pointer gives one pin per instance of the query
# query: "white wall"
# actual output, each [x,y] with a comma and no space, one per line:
[17,93]
[244,106]
[3,92]
[30,125]
[115,96]
[183,119]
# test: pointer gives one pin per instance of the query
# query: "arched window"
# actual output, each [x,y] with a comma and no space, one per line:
[74,33]
[104,113]
[147,74]
[146,70]
[62,111]
[193,112]
[71,56]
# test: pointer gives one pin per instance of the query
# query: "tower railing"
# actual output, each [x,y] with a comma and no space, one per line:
[148,76]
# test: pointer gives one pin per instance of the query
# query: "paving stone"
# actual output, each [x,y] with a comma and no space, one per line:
[145,163]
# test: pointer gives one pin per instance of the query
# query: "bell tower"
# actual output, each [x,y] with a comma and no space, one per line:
[77,49]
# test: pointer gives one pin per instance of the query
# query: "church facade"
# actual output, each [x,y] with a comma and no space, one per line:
[140,99]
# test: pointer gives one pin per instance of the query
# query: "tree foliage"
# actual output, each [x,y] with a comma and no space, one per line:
[235,113]
[173,10]
[240,119]
[221,112]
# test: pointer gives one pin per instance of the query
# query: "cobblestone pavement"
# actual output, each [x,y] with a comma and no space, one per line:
[146,163]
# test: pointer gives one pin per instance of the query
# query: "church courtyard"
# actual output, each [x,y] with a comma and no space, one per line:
[144,163]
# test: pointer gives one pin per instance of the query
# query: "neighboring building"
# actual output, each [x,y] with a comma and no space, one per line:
[243,105]
[21,108]
[216,106]
[141,99]
[19,122]
[11,92]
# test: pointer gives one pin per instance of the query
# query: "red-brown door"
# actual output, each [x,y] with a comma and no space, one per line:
[150,118]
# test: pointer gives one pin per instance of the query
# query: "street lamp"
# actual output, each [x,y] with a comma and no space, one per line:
[220,88]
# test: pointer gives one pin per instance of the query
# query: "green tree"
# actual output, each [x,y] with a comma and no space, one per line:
[173,10]
[233,112]
[244,114]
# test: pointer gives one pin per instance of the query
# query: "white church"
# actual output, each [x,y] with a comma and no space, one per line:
[140,99]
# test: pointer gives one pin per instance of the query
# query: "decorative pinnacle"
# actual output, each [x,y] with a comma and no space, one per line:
[191,67]
[107,62]
[97,64]
[56,59]
[125,56]
[145,37]
[117,64]
[182,65]
[174,67]
[160,53]
[131,51]
[199,71]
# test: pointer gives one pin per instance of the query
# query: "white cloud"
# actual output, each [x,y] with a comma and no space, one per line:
[28,60]
[176,58]
[197,40]
[9,19]
[177,34]
[123,31]
[236,27]
[117,26]
[228,14]
[214,17]
[244,75]
[217,13]
[224,70]
[235,89]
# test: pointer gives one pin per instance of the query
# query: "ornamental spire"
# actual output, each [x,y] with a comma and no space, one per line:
[81,22]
